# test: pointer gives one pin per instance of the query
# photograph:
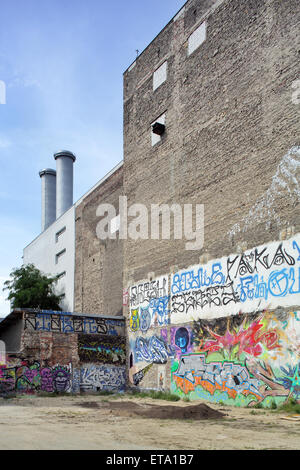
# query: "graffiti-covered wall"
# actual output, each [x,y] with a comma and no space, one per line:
[22,376]
[149,350]
[241,360]
[226,331]
[63,352]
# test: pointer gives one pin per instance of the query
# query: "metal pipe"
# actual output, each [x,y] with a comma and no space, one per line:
[48,182]
[64,181]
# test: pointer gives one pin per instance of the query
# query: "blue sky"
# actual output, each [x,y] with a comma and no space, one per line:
[62,63]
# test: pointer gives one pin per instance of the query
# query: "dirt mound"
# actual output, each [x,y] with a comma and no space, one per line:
[195,412]
[192,412]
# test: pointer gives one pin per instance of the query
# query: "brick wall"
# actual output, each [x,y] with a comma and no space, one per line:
[98,263]
[64,353]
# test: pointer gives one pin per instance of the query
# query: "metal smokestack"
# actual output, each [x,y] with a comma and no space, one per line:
[64,181]
[48,180]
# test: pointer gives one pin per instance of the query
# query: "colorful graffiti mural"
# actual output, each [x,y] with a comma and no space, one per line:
[148,318]
[223,329]
[181,339]
[30,378]
[99,378]
[243,360]
[228,377]
[102,349]
[149,302]
[153,349]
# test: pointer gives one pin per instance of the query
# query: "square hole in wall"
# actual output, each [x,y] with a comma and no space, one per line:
[155,138]
[59,255]
[61,275]
[59,234]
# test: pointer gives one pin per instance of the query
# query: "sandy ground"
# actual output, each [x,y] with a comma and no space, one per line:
[110,423]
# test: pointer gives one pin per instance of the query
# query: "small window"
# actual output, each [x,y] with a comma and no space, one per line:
[59,255]
[59,233]
[197,38]
[155,138]
[60,275]
[160,75]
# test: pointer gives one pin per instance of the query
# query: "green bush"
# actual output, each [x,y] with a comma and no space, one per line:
[291,406]
[273,405]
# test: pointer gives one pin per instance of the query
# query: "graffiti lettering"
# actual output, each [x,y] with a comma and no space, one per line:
[231,378]
[98,378]
[146,291]
[267,276]
[153,349]
[67,323]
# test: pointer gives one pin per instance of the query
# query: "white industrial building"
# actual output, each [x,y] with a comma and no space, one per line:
[53,251]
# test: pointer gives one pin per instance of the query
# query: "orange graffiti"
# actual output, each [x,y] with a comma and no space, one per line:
[187,386]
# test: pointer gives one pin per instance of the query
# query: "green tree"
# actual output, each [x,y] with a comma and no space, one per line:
[30,288]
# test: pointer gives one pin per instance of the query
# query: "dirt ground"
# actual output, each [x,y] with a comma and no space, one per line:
[131,423]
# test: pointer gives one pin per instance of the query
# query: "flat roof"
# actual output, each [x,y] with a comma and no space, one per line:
[17,314]
[72,314]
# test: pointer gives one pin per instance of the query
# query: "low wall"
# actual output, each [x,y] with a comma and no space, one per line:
[65,353]
[21,376]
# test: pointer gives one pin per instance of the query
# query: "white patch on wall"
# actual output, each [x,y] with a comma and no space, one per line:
[115,224]
[149,304]
[197,38]
[155,138]
[160,75]
[285,184]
